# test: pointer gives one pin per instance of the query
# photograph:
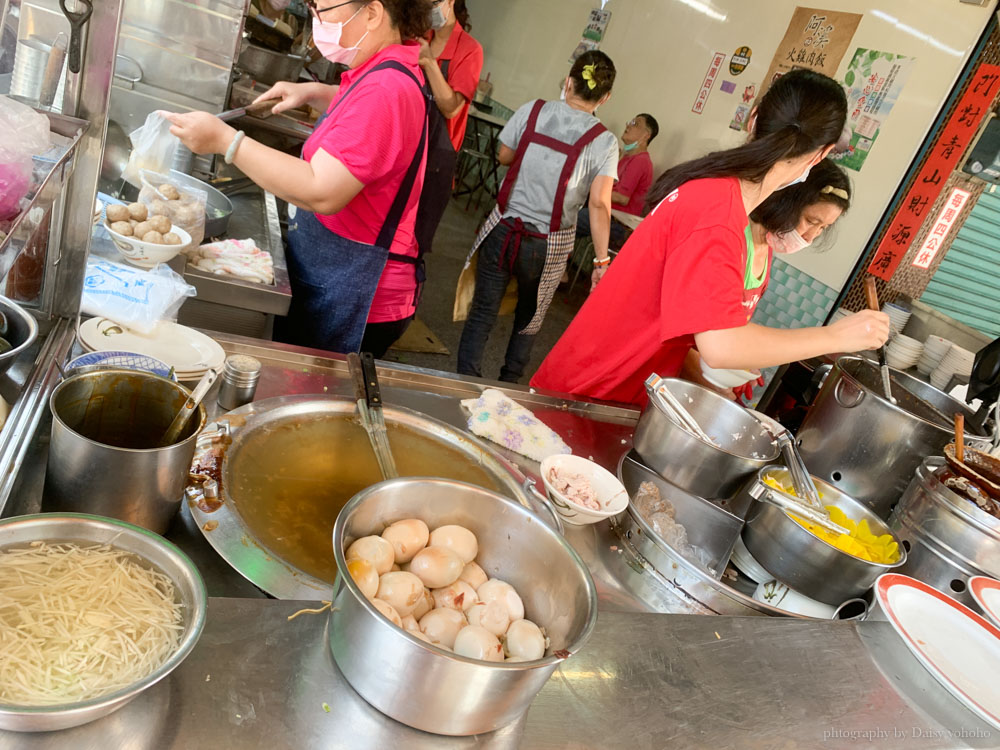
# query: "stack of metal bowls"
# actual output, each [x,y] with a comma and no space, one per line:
[803,561]
[426,687]
[948,537]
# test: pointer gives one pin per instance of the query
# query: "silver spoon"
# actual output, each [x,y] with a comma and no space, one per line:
[189,408]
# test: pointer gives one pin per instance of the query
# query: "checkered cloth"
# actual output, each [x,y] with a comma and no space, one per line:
[559,247]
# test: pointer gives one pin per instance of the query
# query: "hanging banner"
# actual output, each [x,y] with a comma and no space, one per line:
[706,85]
[873,82]
[816,39]
[593,34]
[936,237]
[943,158]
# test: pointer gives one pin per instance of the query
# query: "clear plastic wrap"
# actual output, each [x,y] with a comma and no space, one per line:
[133,297]
[25,134]
[184,205]
[153,148]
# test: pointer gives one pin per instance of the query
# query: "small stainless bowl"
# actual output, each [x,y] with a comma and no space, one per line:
[803,561]
[426,687]
[19,328]
[151,548]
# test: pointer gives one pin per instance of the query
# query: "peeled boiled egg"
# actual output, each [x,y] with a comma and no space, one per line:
[407,538]
[458,539]
[403,591]
[458,595]
[364,574]
[473,575]
[389,611]
[524,640]
[425,605]
[375,550]
[442,625]
[437,567]
[495,590]
[477,642]
[492,615]
[410,623]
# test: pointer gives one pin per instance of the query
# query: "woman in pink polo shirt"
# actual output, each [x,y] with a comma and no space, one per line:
[353,195]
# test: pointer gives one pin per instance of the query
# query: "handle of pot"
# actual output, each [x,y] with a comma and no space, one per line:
[820,374]
[844,399]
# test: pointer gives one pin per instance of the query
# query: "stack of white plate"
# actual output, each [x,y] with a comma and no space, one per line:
[957,361]
[935,348]
[903,352]
[189,352]
[898,316]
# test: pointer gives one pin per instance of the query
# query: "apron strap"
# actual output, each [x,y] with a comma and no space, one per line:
[572,157]
[522,146]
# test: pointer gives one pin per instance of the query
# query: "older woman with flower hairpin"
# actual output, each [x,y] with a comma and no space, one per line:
[560,158]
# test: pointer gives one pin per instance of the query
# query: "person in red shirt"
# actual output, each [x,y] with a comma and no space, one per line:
[354,193]
[452,61]
[635,177]
[681,279]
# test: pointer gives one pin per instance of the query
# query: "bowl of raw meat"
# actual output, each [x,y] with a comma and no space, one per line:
[582,491]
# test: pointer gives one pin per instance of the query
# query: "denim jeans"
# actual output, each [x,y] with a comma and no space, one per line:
[492,278]
[619,232]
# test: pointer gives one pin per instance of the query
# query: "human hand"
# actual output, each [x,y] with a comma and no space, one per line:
[596,276]
[201,132]
[290,96]
[426,56]
[868,329]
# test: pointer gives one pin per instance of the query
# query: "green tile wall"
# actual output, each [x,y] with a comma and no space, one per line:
[794,299]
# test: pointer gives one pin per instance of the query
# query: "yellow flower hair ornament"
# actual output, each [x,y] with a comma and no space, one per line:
[588,76]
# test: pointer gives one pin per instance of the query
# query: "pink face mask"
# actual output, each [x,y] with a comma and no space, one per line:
[327,39]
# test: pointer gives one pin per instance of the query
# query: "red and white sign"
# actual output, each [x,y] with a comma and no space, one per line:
[928,251]
[706,87]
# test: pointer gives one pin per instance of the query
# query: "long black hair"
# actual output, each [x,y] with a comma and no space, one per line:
[827,183]
[802,111]
[462,15]
[593,75]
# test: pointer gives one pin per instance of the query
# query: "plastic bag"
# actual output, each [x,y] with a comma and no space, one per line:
[184,205]
[26,133]
[132,297]
[152,148]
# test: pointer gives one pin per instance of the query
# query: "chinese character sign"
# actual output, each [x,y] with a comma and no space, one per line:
[944,157]
[939,233]
[706,85]
[873,81]
[816,39]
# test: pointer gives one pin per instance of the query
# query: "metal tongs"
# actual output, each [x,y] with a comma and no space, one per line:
[675,410]
[871,294]
[369,396]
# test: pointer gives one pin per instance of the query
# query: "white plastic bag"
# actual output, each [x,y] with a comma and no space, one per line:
[25,134]
[132,297]
[184,205]
[152,148]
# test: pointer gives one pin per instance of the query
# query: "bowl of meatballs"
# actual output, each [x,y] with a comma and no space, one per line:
[143,236]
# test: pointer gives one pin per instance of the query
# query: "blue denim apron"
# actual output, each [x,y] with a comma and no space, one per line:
[334,279]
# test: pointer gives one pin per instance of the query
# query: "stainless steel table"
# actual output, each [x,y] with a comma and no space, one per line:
[256,680]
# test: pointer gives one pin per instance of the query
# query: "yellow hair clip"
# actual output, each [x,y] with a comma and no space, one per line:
[588,76]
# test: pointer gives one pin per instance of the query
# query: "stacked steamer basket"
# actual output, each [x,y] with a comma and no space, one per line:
[903,352]
[957,361]
[935,348]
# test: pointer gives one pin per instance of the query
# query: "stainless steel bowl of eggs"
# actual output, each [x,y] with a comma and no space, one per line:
[453,604]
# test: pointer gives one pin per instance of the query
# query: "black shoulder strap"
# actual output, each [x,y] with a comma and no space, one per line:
[395,215]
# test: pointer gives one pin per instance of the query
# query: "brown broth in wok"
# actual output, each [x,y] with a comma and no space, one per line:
[291,480]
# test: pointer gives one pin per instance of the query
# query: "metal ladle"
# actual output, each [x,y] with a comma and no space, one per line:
[190,407]
[369,396]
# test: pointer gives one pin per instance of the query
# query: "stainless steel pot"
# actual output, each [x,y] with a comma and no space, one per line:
[805,562]
[19,328]
[869,448]
[104,456]
[152,549]
[267,66]
[249,440]
[744,446]
[428,688]
[948,537]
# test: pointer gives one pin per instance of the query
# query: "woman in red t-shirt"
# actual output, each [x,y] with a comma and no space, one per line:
[353,195]
[681,279]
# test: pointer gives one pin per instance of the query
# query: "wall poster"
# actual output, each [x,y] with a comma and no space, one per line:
[816,39]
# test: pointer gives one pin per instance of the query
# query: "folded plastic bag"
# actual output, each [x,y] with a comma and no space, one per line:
[133,297]
[153,148]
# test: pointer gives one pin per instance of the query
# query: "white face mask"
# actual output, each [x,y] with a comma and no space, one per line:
[327,37]
[802,178]
[788,242]
[438,17]
[562,94]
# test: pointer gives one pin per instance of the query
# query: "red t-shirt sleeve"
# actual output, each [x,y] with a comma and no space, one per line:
[629,177]
[368,143]
[702,284]
[465,69]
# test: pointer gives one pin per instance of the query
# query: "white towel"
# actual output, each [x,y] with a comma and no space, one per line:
[507,423]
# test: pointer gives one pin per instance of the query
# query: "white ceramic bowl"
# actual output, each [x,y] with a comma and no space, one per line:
[779,595]
[148,254]
[726,378]
[611,494]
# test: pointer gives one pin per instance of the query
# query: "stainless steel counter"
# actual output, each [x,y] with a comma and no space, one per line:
[256,680]
[644,680]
